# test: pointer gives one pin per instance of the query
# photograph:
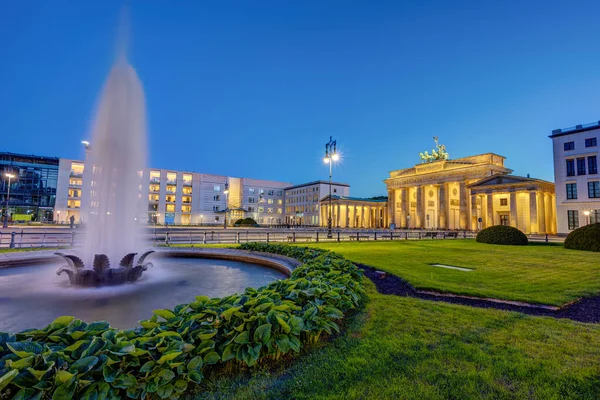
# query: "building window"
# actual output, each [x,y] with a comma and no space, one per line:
[270,210]
[280,193]
[581,166]
[571,191]
[279,211]
[217,188]
[334,190]
[279,201]
[251,190]
[217,219]
[261,209]
[503,202]
[261,191]
[592,165]
[594,189]
[269,201]
[216,208]
[569,146]
[271,192]
[217,197]
[591,142]
[251,209]
[594,216]
[573,217]
[170,208]
[570,167]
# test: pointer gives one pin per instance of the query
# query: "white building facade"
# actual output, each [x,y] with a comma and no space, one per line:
[302,201]
[181,198]
[576,176]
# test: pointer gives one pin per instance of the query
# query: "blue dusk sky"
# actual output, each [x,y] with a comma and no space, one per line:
[255,88]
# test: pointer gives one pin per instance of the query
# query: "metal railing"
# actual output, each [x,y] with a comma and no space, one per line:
[57,237]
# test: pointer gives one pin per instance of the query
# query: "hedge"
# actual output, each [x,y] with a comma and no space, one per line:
[584,238]
[175,349]
[501,234]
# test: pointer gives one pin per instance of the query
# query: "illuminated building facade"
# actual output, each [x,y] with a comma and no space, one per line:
[576,176]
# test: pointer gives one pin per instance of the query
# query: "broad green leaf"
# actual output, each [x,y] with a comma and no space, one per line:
[195,364]
[228,353]
[166,314]
[27,394]
[83,365]
[284,326]
[207,334]
[65,391]
[124,381]
[148,366]
[296,325]
[212,358]
[195,376]
[25,349]
[62,321]
[20,364]
[164,392]
[180,386]
[39,373]
[6,378]
[169,357]
[203,299]
[243,338]
[63,376]
[168,334]
[164,376]
[149,324]
[283,342]
[227,314]
[75,345]
[262,334]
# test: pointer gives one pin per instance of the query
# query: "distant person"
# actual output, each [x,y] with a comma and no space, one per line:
[71,221]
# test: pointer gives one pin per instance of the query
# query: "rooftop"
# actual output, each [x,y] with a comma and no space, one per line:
[371,200]
[575,129]
[316,183]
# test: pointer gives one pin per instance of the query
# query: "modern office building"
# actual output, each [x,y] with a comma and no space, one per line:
[32,189]
[302,201]
[182,198]
[576,176]
[469,193]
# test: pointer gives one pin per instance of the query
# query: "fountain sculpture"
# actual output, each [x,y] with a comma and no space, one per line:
[113,173]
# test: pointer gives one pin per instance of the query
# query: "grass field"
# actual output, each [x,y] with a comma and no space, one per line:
[538,273]
[405,348]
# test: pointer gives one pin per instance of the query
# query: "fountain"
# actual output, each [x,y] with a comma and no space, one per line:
[114,167]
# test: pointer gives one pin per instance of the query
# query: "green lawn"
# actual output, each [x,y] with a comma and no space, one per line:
[405,348]
[538,273]
[19,249]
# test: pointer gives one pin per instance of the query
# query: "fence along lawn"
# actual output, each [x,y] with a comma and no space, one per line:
[537,273]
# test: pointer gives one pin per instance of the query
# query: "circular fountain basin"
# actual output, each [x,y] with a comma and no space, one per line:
[32,296]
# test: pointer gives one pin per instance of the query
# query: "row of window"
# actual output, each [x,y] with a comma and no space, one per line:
[590,142]
[592,166]
[573,218]
[593,190]
[270,192]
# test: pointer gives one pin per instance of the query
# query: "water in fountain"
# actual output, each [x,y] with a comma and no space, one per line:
[113,167]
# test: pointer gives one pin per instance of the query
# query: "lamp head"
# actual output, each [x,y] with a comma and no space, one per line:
[335,157]
[326,160]
[586,213]
[9,175]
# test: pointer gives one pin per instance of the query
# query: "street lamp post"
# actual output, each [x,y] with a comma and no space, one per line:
[331,155]
[9,176]
[587,216]
[201,216]
[226,192]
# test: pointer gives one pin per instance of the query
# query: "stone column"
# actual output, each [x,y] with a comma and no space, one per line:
[533,212]
[513,210]
[420,217]
[490,209]
[542,227]
[442,200]
[464,206]
[404,205]
[391,203]
[474,215]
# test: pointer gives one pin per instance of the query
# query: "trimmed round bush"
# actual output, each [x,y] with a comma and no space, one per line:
[584,238]
[501,234]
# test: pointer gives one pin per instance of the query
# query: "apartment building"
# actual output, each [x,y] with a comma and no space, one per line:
[302,201]
[181,197]
[576,176]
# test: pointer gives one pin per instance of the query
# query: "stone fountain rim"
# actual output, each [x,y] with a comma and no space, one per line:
[275,261]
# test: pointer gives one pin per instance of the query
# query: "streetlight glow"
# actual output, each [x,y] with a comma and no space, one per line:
[331,155]
[9,176]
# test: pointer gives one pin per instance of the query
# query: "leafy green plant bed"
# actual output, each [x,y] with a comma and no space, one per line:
[178,348]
